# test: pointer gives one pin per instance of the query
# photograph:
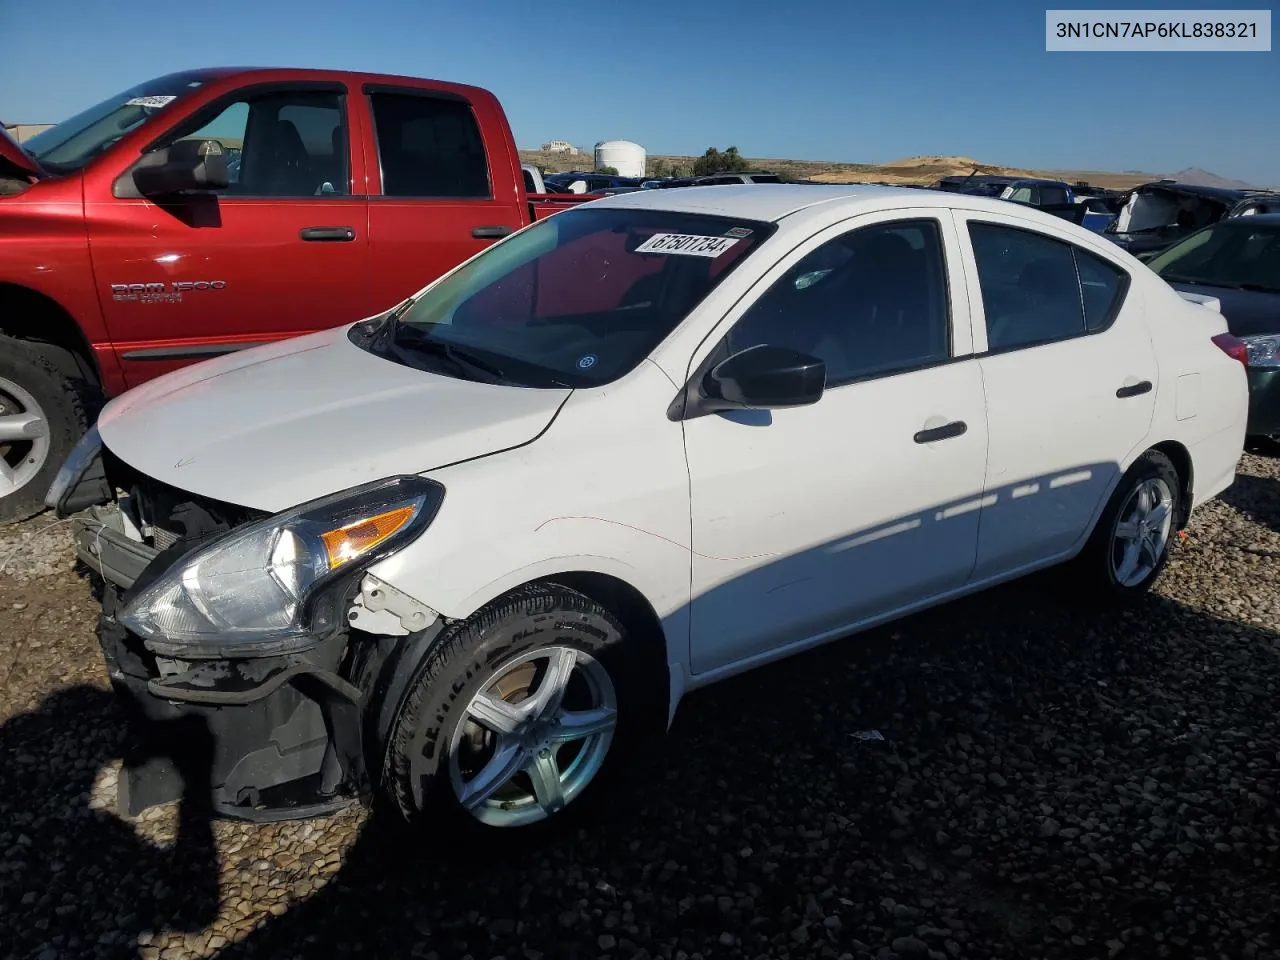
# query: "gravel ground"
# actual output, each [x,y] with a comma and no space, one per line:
[1050,783]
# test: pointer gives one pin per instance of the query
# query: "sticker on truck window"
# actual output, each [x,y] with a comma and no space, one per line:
[686,244]
[150,101]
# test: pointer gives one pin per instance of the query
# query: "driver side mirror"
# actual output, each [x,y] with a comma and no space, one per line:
[183,166]
[763,377]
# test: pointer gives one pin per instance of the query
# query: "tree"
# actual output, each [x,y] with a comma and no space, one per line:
[610,171]
[713,161]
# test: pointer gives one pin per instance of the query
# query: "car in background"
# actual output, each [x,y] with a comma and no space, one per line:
[133,241]
[576,181]
[977,185]
[631,450]
[745,176]
[1062,200]
[1237,263]
[1159,214]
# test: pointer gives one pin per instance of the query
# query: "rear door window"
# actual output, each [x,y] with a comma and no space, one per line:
[429,147]
[1037,289]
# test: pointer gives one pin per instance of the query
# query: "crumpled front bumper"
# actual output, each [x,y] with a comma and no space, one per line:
[287,731]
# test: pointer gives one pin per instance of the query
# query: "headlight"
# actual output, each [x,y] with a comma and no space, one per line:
[1263,351]
[270,586]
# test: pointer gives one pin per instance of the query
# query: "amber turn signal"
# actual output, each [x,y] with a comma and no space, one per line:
[346,543]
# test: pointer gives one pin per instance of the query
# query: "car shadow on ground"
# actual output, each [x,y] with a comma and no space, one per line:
[1257,499]
[77,881]
[1042,773]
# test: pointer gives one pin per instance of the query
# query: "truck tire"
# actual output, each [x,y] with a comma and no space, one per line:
[42,415]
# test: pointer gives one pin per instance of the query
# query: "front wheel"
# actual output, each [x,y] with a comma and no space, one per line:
[1130,546]
[42,415]
[515,715]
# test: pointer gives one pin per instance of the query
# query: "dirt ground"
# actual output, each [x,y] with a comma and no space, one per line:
[1050,782]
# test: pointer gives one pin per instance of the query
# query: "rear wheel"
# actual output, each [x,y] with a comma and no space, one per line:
[41,418]
[1130,545]
[516,716]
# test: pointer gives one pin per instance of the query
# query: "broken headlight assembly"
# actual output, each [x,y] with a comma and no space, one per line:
[1263,351]
[275,585]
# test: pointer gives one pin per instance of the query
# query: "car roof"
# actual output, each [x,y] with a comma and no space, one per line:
[771,202]
[1216,193]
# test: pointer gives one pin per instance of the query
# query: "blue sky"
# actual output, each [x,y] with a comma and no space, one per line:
[821,81]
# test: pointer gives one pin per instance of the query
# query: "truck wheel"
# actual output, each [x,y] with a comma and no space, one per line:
[513,716]
[42,415]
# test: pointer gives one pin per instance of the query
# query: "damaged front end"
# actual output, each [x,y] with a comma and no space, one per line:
[265,628]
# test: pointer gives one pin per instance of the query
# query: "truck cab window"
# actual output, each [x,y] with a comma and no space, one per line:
[429,147]
[282,145]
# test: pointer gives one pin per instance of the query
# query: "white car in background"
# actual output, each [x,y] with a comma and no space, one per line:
[468,552]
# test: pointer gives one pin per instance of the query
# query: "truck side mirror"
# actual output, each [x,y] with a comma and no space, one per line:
[183,166]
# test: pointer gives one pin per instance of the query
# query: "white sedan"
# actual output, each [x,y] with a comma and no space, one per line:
[467,553]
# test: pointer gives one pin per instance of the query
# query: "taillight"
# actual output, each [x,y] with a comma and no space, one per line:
[1233,347]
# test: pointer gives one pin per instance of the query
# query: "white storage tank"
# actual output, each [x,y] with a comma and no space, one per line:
[623,155]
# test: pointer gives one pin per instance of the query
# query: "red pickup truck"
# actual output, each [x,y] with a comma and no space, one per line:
[212,210]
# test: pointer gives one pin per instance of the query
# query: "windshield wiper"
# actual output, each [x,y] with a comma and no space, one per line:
[459,358]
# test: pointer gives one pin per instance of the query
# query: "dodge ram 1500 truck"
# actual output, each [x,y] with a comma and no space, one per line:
[207,211]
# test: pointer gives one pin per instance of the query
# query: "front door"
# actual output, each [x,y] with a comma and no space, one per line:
[282,251]
[1071,381]
[809,520]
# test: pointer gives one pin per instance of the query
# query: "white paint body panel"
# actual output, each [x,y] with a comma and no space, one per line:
[751,535]
[277,425]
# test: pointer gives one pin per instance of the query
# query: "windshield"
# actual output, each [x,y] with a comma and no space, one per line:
[576,300]
[1233,253]
[69,145]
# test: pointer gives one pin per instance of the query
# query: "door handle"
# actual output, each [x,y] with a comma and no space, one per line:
[491,233]
[330,234]
[1134,389]
[945,432]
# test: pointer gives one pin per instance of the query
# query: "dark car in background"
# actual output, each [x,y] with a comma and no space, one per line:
[981,185]
[1159,214]
[1237,261]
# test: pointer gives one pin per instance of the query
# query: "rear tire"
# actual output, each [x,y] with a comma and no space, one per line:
[1130,545]
[36,396]
[477,752]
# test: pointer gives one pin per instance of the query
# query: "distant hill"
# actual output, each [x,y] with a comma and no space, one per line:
[921,170]
[1203,178]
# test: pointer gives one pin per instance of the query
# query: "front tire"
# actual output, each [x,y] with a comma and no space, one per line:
[1130,545]
[42,415]
[515,717]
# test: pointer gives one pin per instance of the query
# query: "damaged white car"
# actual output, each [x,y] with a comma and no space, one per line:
[464,554]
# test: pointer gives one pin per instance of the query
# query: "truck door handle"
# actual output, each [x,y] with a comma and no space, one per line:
[1134,389]
[491,233]
[945,432]
[330,234]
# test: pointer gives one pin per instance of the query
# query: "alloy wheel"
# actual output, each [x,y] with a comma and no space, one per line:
[24,437]
[1142,530]
[533,737]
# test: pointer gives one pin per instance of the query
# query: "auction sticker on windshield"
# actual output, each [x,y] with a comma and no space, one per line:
[150,101]
[687,244]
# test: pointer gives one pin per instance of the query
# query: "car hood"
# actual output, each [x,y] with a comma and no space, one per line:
[1249,313]
[13,157]
[280,424]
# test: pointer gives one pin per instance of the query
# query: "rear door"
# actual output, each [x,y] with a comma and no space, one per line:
[282,251]
[439,195]
[1070,377]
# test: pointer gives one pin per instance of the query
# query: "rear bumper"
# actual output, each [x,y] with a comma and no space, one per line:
[1264,402]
